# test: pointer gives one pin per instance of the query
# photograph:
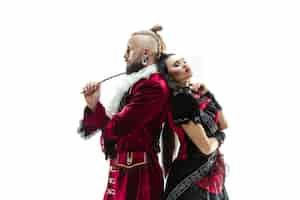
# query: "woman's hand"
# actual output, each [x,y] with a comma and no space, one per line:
[91,93]
[199,87]
[202,89]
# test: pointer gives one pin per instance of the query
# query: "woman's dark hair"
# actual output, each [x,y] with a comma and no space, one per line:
[162,68]
[168,139]
[168,147]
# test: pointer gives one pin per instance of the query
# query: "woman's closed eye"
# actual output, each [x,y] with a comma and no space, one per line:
[176,64]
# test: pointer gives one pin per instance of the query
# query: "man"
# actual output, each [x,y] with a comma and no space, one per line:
[131,133]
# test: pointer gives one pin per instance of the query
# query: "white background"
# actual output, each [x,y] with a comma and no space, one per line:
[247,53]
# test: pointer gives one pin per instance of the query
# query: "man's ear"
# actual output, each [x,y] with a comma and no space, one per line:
[147,52]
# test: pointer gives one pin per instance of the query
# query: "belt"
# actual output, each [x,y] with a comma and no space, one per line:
[130,159]
[199,173]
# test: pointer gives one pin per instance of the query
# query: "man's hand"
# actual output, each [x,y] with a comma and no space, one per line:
[91,93]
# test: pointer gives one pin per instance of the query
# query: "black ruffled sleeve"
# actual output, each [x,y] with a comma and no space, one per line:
[184,106]
[220,136]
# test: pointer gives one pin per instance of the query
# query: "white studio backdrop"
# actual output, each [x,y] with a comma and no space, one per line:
[246,52]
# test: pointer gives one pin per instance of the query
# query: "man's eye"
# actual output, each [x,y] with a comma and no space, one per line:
[176,65]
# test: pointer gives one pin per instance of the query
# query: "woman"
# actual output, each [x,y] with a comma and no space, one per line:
[198,172]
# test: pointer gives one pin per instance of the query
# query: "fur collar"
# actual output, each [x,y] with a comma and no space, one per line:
[124,85]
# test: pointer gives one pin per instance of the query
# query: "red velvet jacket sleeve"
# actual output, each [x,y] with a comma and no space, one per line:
[93,120]
[147,101]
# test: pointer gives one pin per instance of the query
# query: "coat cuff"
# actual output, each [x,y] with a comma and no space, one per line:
[91,120]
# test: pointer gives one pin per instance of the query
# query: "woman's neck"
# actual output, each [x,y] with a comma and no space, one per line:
[185,83]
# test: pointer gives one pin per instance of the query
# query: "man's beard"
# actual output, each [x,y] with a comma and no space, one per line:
[134,67]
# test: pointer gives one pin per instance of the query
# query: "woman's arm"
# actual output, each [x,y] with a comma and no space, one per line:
[222,121]
[197,134]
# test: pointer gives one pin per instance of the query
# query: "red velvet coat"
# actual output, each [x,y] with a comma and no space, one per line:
[136,128]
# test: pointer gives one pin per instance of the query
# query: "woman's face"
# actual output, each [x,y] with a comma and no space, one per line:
[178,69]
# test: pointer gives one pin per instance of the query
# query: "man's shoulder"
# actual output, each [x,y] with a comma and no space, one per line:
[155,81]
